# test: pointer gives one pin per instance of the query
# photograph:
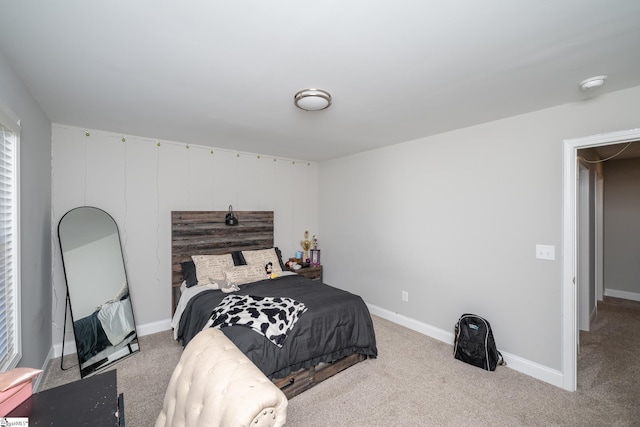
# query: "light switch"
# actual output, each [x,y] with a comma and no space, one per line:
[546,252]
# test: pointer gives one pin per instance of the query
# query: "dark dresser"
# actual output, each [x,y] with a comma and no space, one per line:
[93,401]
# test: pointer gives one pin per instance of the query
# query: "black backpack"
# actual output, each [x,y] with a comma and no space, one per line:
[474,343]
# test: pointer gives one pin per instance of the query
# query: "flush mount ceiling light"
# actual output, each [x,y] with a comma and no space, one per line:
[312,99]
[592,82]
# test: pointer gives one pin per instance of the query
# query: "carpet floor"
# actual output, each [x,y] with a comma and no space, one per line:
[415,381]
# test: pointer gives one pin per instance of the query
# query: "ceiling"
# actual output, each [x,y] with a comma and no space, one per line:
[224,73]
[627,150]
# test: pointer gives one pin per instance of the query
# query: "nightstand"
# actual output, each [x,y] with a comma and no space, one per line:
[313,272]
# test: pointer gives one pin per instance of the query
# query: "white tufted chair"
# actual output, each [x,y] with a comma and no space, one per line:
[215,384]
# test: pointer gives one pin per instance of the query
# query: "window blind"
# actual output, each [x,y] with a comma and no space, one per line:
[10,351]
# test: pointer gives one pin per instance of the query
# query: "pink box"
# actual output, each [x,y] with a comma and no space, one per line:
[14,396]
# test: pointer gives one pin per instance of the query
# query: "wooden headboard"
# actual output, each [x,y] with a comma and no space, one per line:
[205,233]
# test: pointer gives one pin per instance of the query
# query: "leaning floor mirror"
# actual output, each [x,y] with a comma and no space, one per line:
[97,289]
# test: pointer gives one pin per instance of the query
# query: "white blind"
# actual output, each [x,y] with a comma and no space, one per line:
[10,351]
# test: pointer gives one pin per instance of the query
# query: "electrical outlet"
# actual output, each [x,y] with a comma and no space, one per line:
[405,296]
[546,252]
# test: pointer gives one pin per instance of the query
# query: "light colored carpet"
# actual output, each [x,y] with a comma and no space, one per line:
[416,382]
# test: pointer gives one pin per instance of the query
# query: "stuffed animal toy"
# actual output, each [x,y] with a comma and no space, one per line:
[269,269]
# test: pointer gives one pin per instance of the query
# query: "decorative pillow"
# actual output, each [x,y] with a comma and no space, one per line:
[189,273]
[243,274]
[210,268]
[262,257]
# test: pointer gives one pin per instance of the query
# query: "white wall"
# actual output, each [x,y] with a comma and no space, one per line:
[35,219]
[453,220]
[622,228]
[139,183]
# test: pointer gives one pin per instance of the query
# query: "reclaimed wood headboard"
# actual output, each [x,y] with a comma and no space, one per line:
[205,233]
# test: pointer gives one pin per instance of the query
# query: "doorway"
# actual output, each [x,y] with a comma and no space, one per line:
[570,244]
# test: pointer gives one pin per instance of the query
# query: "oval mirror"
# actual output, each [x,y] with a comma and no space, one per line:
[97,289]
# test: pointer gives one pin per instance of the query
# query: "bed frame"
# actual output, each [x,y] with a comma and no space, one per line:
[205,233]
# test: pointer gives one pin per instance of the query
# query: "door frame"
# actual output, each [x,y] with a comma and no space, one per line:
[569,244]
[599,222]
[583,237]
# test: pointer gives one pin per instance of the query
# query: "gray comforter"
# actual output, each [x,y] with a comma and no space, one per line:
[337,323]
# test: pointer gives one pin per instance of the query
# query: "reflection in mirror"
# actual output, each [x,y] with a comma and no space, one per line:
[97,289]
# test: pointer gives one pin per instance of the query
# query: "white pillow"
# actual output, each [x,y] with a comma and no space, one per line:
[243,274]
[210,268]
[261,257]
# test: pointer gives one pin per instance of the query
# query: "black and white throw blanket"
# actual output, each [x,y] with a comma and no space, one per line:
[273,317]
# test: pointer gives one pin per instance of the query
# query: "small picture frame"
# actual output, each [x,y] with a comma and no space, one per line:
[315,256]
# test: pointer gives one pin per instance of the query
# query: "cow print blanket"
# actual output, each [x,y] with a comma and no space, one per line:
[272,317]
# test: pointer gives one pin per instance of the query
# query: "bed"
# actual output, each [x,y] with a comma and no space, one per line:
[332,329]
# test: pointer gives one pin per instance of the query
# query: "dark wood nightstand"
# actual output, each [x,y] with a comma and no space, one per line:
[313,272]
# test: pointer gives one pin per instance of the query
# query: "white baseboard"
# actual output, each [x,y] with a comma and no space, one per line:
[40,378]
[423,328]
[69,348]
[527,367]
[154,327]
[633,296]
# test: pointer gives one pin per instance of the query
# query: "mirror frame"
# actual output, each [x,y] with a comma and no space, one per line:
[119,352]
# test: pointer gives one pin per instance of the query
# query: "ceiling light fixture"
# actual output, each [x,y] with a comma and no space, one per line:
[312,99]
[592,82]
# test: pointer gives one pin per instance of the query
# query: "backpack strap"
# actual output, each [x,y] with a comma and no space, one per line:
[501,361]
